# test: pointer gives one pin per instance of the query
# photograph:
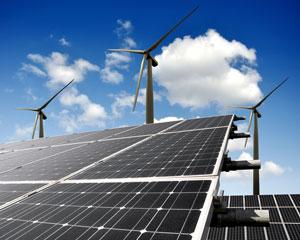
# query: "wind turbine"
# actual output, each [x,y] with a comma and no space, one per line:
[257,114]
[40,115]
[151,62]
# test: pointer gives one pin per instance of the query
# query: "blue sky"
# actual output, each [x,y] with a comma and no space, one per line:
[235,53]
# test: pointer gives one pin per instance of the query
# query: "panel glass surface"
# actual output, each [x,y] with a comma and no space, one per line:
[9,192]
[146,129]
[174,154]
[56,167]
[57,140]
[209,122]
[140,210]
[17,159]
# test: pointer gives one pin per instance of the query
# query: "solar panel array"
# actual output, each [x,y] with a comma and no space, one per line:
[284,213]
[153,181]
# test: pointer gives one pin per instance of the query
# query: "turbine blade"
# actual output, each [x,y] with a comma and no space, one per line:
[46,103]
[249,126]
[155,45]
[34,126]
[28,109]
[127,50]
[242,107]
[139,83]
[269,94]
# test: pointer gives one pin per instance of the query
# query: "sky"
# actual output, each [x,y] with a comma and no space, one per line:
[226,53]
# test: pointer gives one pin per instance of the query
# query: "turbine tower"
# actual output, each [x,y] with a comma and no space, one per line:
[256,114]
[151,62]
[40,115]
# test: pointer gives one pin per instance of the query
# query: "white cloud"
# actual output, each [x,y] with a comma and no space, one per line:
[208,69]
[33,69]
[30,94]
[22,132]
[116,62]
[59,71]
[129,42]
[125,100]
[92,114]
[168,119]
[124,27]
[272,168]
[63,41]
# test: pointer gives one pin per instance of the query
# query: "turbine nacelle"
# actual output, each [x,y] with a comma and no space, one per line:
[151,62]
[40,115]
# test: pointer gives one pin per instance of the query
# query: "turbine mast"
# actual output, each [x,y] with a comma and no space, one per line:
[149,94]
[256,190]
[41,128]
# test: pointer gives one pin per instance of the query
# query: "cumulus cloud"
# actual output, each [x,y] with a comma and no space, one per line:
[272,168]
[60,71]
[30,94]
[92,114]
[64,42]
[124,27]
[124,100]
[208,69]
[22,132]
[168,119]
[116,62]
[33,69]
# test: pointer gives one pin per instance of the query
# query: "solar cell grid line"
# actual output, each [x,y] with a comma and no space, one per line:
[171,203]
[100,135]
[10,191]
[146,129]
[281,199]
[175,154]
[15,160]
[200,123]
[63,140]
[54,168]
[132,145]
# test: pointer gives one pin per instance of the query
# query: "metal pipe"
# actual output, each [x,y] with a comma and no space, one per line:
[240,217]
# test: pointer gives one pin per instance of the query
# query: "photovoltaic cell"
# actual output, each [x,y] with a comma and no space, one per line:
[9,192]
[139,210]
[17,159]
[284,219]
[209,122]
[56,167]
[58,140]
[174,154]
[147,129]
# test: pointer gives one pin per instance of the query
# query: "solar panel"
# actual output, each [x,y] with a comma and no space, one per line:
[173,154]
[59,140]
[200,123]
[153,181]
[146,209]
[284,213]
[59,165]
[147,129]
[9,192]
